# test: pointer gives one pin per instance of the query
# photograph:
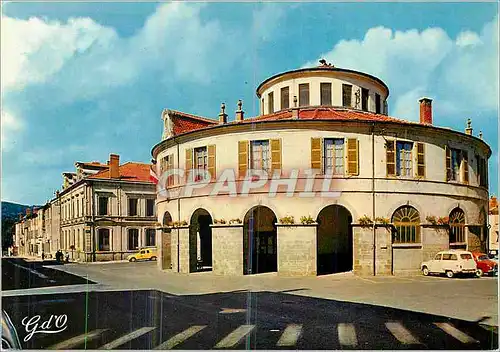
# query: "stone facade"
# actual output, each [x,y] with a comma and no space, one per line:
[297,250]
[75,219]
[228,250]
[364,177]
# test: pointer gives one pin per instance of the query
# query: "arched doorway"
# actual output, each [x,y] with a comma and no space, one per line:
[260,252]
[334,240]
[200,241]
[167,221]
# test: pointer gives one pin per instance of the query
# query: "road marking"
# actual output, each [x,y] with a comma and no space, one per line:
[347,335]
[181,337]
[453,331]
[365,279]
[401,333]
[290,335]
[126,338]
[489,328]
[232,310]
[77,340]
[235,337]
[33,271]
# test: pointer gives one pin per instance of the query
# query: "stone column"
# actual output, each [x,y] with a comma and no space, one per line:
[297,250]
[165,248]
[362,250]
[435,238]
[383,250]
[227,249]
[180,249]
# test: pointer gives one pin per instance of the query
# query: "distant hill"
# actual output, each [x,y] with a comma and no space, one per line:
[12,210]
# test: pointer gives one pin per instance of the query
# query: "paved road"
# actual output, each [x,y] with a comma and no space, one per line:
[148,319]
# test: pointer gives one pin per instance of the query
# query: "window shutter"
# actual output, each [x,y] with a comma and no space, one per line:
[242,158]
[316,153]
[189,162]
[275,155]
[211,162]
[448,163]
[390,154]
[420,160]
[170,166]
[352,156]
[465,158]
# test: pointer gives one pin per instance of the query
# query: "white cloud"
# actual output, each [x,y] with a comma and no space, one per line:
[89,58]
[461,74]
[11,126]
[33,50]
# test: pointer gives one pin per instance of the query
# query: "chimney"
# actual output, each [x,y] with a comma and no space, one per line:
[493,202]
[222,115]
[426,111]
[114,166]
[295,109]
[239,113]
[468,130]
[28,211]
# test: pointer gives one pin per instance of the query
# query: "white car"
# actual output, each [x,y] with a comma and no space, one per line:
[450,263]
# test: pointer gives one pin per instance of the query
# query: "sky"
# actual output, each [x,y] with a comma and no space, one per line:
[82,80]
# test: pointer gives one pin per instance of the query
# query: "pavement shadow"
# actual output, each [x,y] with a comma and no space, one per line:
[222,313]
[18,273]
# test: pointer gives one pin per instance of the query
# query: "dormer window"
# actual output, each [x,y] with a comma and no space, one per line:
[326,93]
[270,103]
[346,95]
[285,98]
[377,103]
[364,99]
[304,94]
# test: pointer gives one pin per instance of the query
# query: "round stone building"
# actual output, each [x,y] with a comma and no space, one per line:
[322,181]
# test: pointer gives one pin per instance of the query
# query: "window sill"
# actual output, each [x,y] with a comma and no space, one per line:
[458,243]
[407,245]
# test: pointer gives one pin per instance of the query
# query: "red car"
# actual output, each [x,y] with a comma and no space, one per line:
[484,264]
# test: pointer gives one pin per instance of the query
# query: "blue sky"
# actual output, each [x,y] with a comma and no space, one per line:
[82,80]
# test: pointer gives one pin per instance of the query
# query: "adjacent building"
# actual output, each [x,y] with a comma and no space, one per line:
[396,191]
[103,212]
[493,225]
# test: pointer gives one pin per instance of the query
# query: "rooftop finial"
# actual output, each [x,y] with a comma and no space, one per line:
[468,130]
[481,134]
[222,115]
[240,113]
[323,63]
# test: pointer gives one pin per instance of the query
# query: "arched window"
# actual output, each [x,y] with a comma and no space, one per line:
[406,220]
[457,226]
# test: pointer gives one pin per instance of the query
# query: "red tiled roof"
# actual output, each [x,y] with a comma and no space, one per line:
[133,172]
[184,123]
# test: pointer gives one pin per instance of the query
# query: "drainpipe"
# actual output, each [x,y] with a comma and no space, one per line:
[178,212]
[93,241]
[373,200]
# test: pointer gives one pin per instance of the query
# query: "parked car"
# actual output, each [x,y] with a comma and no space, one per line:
[450,263]
[494,257]
[485,266]
[144,254]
